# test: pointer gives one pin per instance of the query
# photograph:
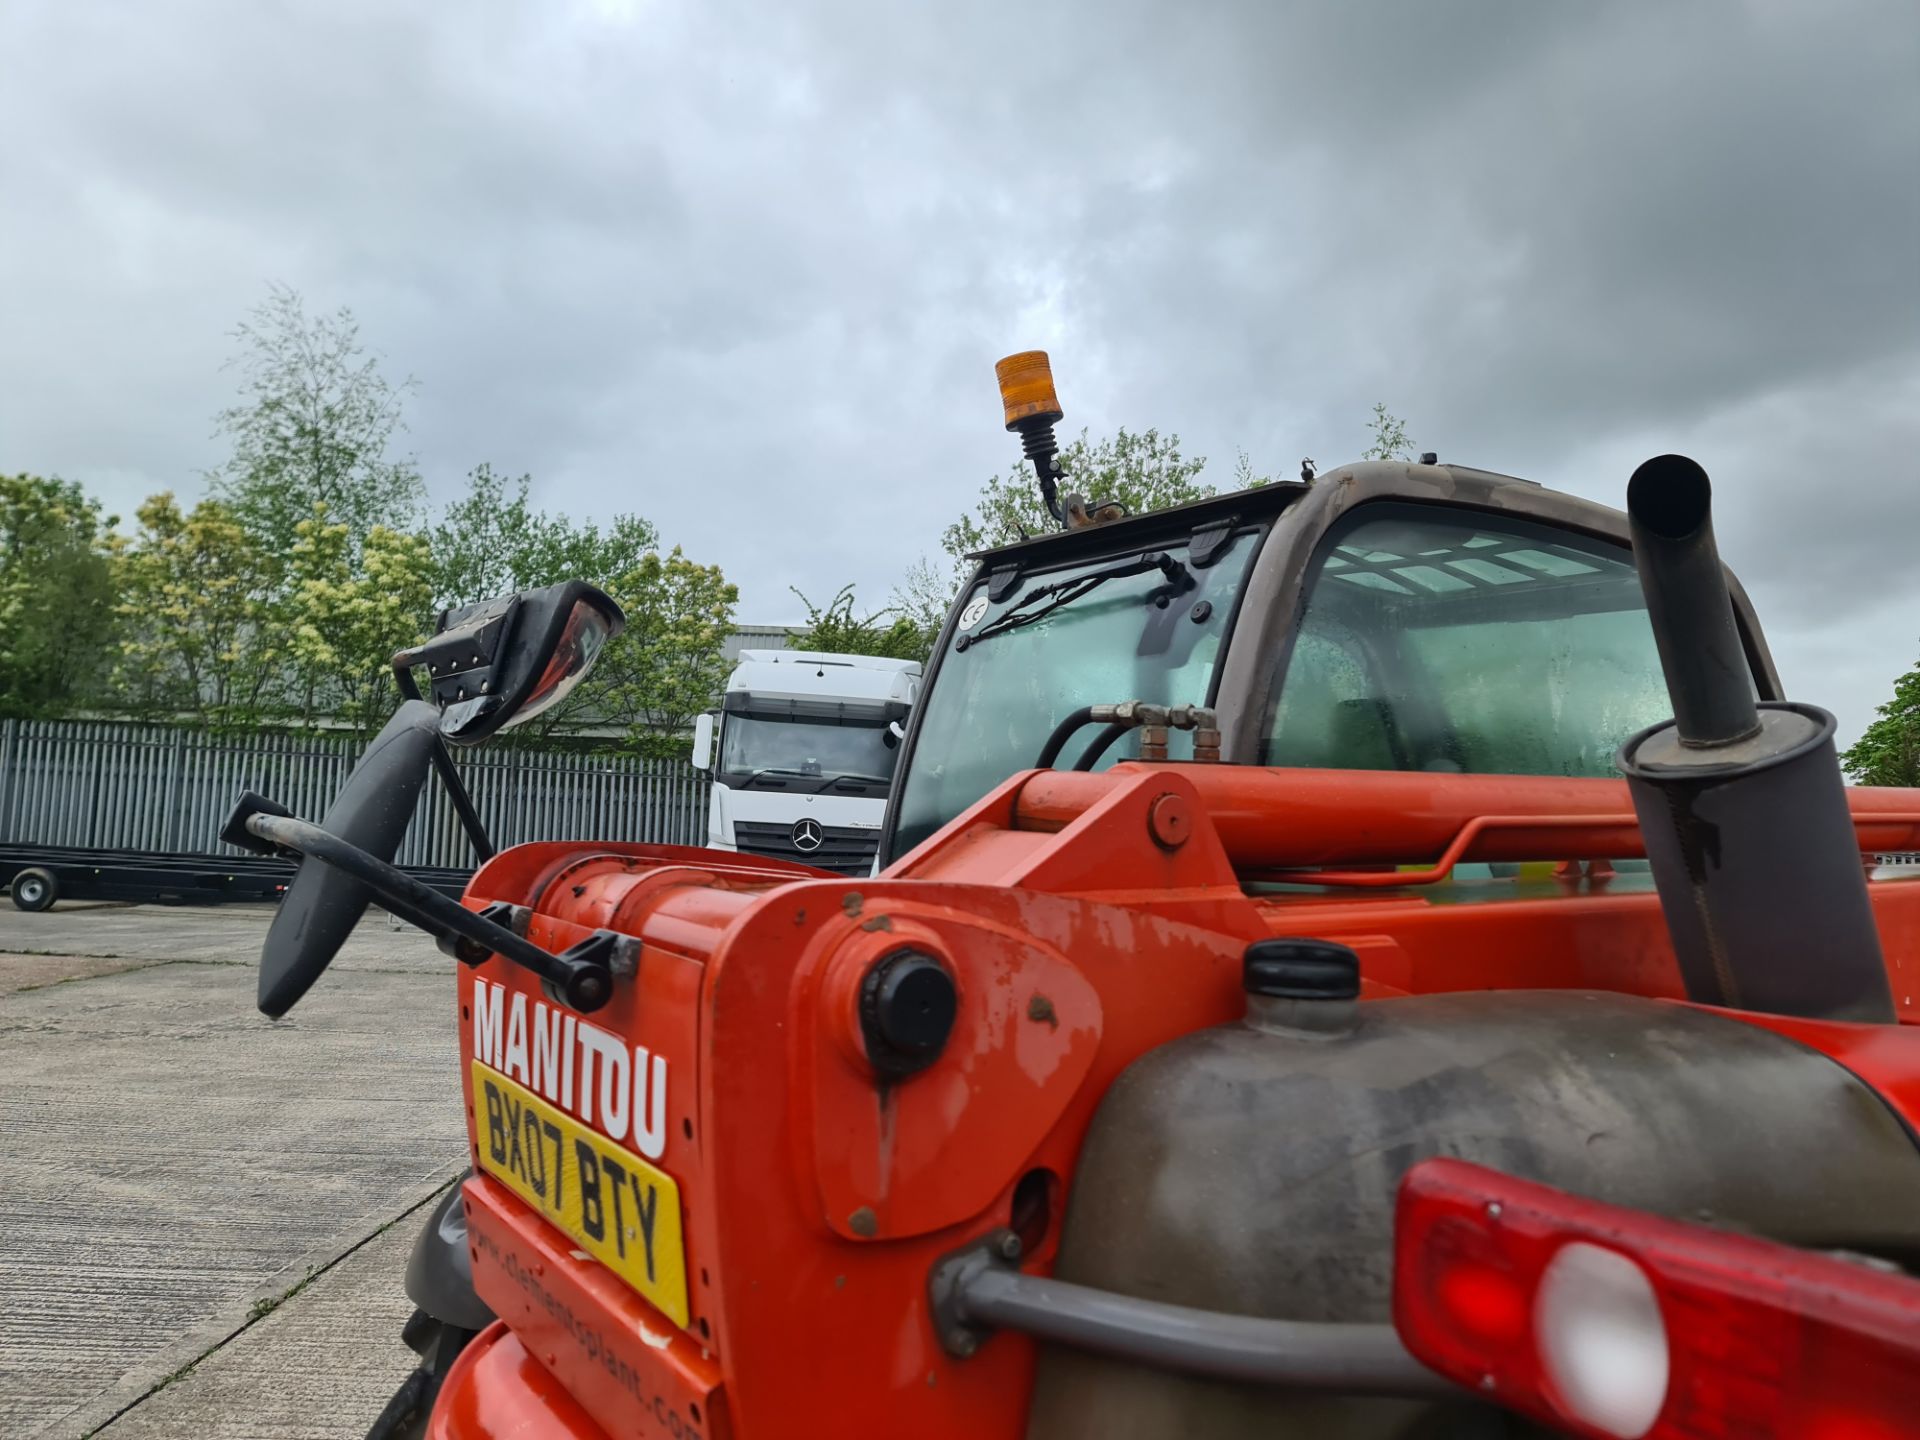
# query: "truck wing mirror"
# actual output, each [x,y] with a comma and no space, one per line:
[502,661]
[703,742]
[347,860]
[323,904]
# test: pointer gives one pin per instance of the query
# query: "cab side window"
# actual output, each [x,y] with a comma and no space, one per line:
[1434,640]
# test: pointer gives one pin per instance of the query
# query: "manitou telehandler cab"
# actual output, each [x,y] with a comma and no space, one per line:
[1276,1016]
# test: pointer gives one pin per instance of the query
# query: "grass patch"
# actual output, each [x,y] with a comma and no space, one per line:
[267,1304]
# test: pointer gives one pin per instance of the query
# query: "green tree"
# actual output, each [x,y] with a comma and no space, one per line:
[835,629]
[1889,752]
[1245,477]
[192,592]
[1144,471]
[313,427]
[349,614]
[667,665]
[56,596]
[924,596]
[494,540]
[1389,434]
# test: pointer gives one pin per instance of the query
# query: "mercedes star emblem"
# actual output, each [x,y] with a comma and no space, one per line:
[807,835]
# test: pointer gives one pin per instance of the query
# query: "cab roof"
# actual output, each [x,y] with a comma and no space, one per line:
[1261,502]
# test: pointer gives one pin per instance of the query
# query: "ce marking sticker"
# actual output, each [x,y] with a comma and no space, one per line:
[976,608]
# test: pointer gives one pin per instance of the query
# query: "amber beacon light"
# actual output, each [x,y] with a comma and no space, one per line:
[1026,391]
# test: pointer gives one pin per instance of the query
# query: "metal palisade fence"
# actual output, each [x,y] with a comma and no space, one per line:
[135,787]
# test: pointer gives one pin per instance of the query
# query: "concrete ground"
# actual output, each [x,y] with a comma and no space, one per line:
[204,1214]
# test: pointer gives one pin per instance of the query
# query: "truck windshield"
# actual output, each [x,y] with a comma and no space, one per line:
[798,745]
[992,706]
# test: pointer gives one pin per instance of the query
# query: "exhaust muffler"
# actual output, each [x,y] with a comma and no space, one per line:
[1741,801]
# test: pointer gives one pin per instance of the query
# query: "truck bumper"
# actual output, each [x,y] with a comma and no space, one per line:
[496,1390]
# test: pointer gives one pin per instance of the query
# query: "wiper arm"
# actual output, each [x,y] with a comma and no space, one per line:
[1045,599]
[753,775]
[858,775]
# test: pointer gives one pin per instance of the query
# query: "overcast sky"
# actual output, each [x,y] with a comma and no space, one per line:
[745,268]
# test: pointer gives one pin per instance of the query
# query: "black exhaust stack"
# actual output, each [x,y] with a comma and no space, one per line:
[1741,802]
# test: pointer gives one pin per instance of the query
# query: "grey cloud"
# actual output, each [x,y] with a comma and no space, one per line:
[745,267]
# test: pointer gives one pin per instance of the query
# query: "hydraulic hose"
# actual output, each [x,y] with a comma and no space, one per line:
[1057,741]
[1102,743]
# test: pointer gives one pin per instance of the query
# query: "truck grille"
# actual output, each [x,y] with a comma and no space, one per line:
[842,848]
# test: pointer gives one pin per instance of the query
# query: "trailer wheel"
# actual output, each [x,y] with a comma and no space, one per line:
[34,889]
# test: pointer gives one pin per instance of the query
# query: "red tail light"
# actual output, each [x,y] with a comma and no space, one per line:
[1613,1323]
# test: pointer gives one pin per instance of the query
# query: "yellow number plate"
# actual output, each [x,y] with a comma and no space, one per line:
[614,1205]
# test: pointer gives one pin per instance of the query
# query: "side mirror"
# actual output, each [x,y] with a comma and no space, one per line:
[703,742]
[503,661]
[372,811]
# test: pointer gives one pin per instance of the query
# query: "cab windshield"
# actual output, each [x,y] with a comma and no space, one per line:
[1138,636]
[787,751]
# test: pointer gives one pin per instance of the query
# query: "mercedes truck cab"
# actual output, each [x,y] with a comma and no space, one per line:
[802,755]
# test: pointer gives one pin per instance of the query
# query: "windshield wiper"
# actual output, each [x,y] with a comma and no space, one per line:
[857,775]
[1045,599]
[753,775]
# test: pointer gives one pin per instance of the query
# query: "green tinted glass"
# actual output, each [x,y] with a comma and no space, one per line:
[1432,640]
[992,705]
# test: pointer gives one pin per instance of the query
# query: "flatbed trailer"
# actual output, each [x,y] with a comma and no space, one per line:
[39,875]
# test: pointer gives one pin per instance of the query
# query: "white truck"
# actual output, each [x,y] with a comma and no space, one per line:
[802,755]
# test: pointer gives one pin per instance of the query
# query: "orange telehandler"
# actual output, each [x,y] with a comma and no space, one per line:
[1273,1013]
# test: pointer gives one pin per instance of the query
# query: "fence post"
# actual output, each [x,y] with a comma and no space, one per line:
[96,753]
[170,793]
[9,781]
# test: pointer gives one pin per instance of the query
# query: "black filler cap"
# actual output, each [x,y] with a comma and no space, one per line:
[1301,969]
[908,1002]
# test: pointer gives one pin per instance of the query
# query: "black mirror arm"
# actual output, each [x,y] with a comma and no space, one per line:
[450,780]
[585,983]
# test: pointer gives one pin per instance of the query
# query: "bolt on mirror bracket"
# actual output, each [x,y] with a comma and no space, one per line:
[501,913]
[604,951]
[461,657]
[235,831]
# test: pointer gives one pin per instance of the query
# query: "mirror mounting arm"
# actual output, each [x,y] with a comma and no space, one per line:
[450,781]
[581,980]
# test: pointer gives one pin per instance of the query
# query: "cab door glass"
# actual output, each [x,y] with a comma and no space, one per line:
[1435,641]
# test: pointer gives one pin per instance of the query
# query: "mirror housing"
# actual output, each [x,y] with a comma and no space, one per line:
[501,662]
[703,742]
[372,811]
